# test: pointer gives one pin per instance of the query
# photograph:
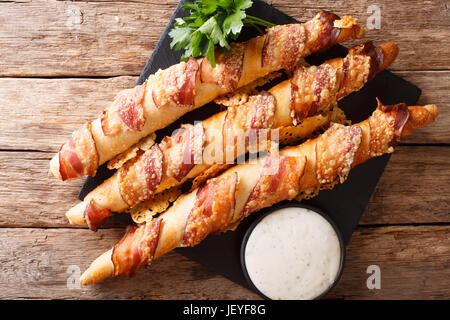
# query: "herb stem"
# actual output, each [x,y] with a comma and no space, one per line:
[256,27]
[252,19]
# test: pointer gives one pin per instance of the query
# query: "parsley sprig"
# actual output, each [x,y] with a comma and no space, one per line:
[212,22]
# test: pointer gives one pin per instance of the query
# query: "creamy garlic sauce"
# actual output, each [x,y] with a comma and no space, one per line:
[293,253]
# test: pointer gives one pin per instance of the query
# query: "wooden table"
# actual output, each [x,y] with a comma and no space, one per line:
[62,62]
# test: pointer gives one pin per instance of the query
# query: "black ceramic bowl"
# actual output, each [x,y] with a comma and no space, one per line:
[270,210]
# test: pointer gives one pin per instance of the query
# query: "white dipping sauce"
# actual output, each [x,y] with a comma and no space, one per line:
[293,253]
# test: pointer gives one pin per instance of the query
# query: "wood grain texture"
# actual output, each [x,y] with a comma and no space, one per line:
[412,190]
[414,263]
[44,112]
[420,28]
[435,87]
[31,198]
[39,263]
[106,44]
[65,38]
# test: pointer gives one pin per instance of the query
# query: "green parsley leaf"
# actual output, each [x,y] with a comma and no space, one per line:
[209,6]
[213,31]
[210,54]
[226,4]
[233,23]
[243,4]
[180,37]
[211,23]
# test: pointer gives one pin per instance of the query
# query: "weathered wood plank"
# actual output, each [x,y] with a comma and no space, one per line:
[65,38]
[29,197]
[40,114]
[435,89]
[414,263]
[413,189]
[114,38]
[39,263]
[419,27]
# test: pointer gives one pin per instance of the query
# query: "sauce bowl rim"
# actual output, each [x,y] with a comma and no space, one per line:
[267,211]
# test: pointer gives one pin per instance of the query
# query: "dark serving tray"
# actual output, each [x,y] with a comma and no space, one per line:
[344,204]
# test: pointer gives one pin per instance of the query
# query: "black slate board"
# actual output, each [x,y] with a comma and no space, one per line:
[344,204]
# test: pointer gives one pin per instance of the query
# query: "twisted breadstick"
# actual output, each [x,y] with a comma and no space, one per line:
[224,201]
[194,149]
[170,93]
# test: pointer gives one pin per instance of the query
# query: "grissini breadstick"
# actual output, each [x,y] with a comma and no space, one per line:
[194,149]
[168,94]
[227,199]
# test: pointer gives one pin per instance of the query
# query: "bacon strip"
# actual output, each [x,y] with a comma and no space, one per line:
[375,53]
[312,88]
[78,156]
[401,118]
[126,112]
[132,112]
[175,85]
[94,217]
[248,119]
[317,87]
[329,34]
[70,165]
[280,180]
[183,150]
[335,152]
[386,126]
[227,72]
[257,113]
[139,179]
[283,46]
[136,249]
[360,65]
[213,209]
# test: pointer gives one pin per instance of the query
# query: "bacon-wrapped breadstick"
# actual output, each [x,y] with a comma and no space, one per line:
[194,149]
[170,93]
[224,201]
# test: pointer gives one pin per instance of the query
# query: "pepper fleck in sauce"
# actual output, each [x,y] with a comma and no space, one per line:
[293,253]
